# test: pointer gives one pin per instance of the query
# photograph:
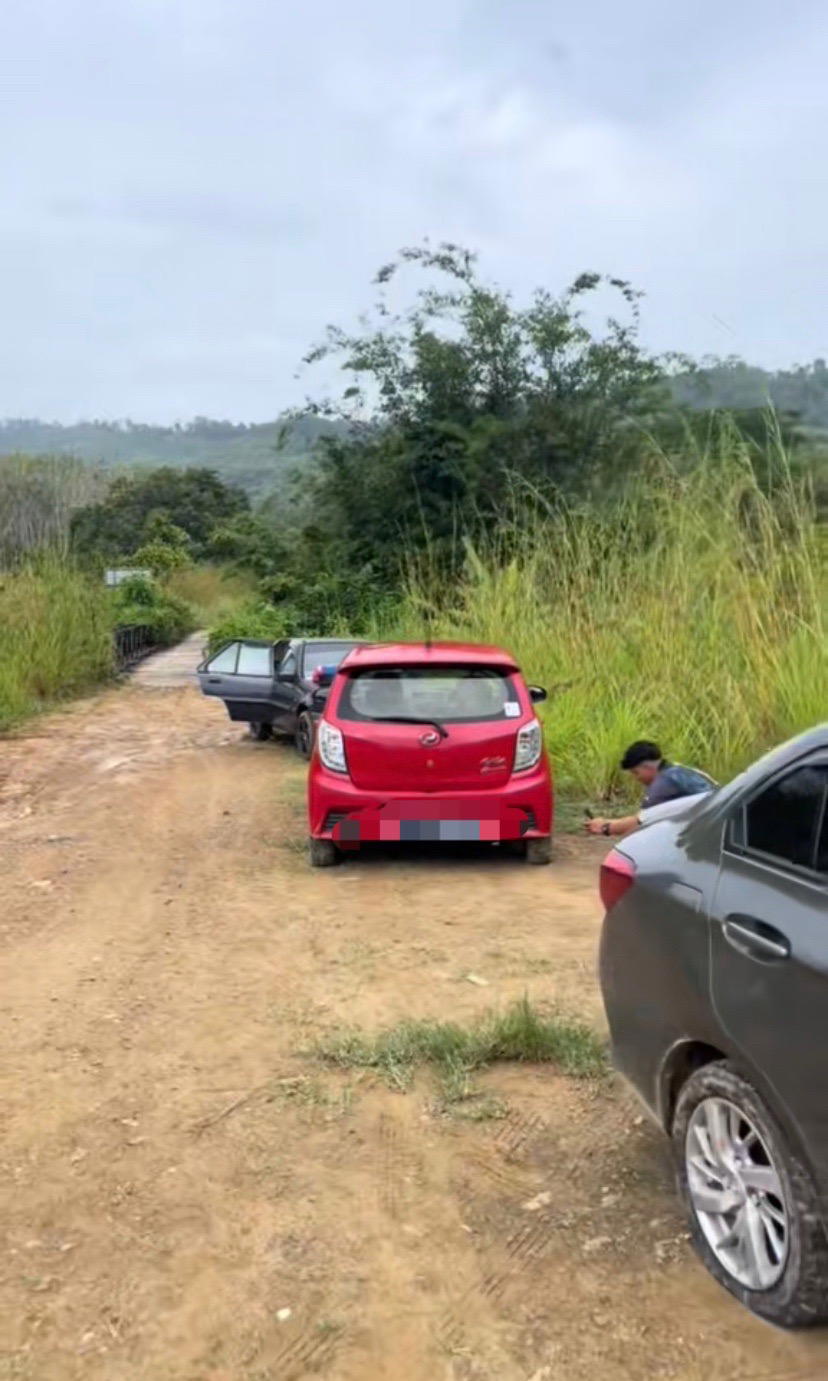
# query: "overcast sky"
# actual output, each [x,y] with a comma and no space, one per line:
[192,189]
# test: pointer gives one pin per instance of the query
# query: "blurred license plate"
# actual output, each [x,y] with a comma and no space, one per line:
[458,831]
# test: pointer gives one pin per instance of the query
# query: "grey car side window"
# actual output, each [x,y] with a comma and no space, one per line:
[822,842]
[785,821]
[254,661]
[224,660]
[288,667]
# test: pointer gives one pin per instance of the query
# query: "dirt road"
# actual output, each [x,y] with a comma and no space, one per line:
[188,1196]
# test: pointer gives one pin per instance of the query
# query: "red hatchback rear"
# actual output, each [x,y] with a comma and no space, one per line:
[421,743]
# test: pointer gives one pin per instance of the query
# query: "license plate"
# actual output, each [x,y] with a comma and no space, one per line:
[444,831]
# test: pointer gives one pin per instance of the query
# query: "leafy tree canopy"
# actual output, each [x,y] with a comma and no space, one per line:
[163,506]
[457,400]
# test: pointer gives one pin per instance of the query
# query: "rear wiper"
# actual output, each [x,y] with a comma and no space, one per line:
[408,719]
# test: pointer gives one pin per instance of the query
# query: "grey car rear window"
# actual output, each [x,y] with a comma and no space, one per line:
[323,655]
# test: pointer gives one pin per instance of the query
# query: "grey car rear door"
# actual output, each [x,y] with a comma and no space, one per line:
[769,943]
[241,674]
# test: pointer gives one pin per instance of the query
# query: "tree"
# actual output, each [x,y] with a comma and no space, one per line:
[165,546]
[193,501]
[247,541]
[38,496]
[468,397]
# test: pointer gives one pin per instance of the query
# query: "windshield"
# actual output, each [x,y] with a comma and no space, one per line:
[323,655]
[447,695]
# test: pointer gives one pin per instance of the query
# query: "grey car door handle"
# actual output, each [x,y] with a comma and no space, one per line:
[755,938]
[214,680]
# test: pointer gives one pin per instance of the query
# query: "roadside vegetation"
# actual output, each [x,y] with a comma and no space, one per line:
[57,637]
[211,592]
[60,528]
[692,611]
[147,603]
[58,625]
[523,1032]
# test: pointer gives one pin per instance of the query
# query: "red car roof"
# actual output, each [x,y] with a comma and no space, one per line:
[421,654]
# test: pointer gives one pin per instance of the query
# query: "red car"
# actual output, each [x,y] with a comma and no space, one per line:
[429,742]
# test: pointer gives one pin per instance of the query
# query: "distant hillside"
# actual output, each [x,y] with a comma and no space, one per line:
[732,384]
[247,455]
[250,455]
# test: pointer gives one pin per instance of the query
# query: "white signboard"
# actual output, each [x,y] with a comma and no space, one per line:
[118,577]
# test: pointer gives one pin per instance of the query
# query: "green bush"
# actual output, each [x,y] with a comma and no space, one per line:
[143,603]
[161,558]
[255,619]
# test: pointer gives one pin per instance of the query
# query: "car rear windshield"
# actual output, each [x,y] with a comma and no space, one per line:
[447,694]
[323,655]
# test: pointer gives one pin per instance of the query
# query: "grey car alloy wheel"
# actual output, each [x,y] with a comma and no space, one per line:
[737,1193]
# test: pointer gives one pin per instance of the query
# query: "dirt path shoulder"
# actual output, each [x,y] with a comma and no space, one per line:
[188,1196]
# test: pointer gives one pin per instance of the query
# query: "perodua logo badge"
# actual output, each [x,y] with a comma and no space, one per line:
[428,740]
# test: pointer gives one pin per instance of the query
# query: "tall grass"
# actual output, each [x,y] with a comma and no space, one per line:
[213,593]
[691,611]
[56,631]
[55,637]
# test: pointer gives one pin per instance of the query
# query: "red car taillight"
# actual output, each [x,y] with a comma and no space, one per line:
[617,877]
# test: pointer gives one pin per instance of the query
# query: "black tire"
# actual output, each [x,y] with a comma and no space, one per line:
[304,736]
[539,851]
[799,1298]
[322,853]
[260,732]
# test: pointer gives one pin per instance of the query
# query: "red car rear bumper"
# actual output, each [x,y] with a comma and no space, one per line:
[521,809]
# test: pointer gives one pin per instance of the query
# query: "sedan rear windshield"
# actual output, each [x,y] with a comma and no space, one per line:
[447,694]
[323,655]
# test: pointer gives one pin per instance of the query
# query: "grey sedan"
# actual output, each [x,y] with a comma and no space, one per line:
[274,687]
[714,970]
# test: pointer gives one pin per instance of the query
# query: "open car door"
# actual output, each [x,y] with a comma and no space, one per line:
[242,674]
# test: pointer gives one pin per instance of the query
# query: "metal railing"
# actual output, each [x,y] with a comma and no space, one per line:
[133,643]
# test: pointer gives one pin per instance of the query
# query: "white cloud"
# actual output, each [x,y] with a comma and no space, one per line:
[194,187]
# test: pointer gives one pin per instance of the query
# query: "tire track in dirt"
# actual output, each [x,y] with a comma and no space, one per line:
[310,1347]
[389,1179]
[497,1161]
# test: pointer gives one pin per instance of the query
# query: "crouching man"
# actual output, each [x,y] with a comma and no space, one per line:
[662,780]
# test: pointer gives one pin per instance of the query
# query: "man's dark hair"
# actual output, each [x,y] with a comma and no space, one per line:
[641,751]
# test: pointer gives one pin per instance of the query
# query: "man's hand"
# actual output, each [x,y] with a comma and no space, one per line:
[616,829]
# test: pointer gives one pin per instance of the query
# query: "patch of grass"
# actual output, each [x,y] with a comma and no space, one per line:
[212,592]
[522,1033]
[570,813]
[312,1096]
